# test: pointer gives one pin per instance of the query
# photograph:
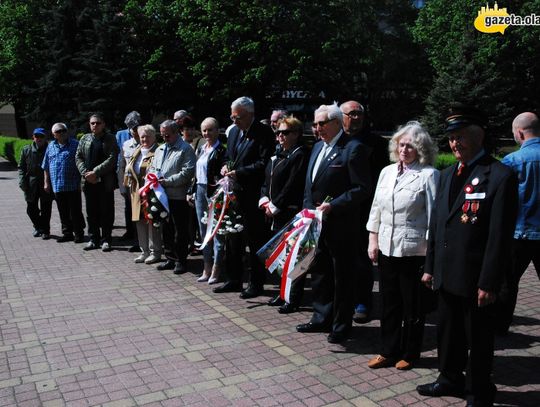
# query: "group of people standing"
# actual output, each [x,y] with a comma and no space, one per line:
[383,204]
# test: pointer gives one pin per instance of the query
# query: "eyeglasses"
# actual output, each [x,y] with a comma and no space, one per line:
[354,114]
[37,135]
[322,124]
[60,131]
[236,118]
[283,132]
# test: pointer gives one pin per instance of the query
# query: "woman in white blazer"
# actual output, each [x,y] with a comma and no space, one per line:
[398,225]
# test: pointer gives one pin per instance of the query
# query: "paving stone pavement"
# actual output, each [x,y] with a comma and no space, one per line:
[90,328]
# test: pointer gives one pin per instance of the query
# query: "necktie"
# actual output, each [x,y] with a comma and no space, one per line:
[320,158]
[460,169]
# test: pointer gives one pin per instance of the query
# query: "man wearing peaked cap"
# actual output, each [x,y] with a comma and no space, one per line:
[469,240]
[38,201]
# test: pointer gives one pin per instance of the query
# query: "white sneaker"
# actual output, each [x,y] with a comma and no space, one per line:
[141,258]
[105,247]
[152,259]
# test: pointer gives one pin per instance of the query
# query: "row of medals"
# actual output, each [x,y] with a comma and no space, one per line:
[473,207]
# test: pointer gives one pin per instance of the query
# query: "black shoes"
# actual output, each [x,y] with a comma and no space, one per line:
[228,287]
[168,265]
[37,233]
[65,238]
[251,292]
[436,389]
[276,301]
[338,337]
[288,308]
[46,236]
[78,238]
[179,268]
[311,327]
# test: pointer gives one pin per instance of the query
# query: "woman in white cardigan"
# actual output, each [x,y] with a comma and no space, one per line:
[398,225]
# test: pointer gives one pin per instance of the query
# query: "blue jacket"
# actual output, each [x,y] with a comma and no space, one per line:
[526,163]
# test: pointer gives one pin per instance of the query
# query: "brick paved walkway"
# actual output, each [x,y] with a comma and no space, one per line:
[90,328]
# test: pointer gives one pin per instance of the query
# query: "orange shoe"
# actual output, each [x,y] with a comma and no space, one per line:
[380,361]
[404,365]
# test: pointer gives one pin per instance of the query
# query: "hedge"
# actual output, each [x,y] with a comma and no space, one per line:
[10,148]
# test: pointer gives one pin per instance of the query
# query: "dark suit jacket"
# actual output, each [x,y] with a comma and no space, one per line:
[31,174]
[249,159]
[285,178]
[464,257]
[345,176]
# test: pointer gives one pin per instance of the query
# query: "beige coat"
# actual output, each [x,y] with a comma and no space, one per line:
[401,210]
[134,181]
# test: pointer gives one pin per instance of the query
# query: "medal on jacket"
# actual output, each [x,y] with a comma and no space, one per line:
[475,205]
[465,208]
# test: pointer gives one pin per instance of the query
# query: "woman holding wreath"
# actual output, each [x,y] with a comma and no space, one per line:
[149,236]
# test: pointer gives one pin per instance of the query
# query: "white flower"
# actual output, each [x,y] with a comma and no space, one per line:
[156,224]
[150,216]
[239,228]
[153,200]
[163,214]
[221,232]
[228,223]
[153,209]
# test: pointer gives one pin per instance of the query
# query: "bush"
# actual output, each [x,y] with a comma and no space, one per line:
[10,148]
[444,160]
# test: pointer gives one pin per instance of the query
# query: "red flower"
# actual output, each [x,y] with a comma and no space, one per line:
[468,189]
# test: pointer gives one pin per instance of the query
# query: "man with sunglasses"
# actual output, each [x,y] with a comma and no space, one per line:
[377,151]
[38,200]
[249,147]
[63,179]
[338,184]
[97,157]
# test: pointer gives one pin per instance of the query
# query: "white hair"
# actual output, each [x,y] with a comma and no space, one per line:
[245,103]
[332,112]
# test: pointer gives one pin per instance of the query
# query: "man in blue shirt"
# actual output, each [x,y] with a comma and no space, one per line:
[526,163]
[63,178]
[132,121]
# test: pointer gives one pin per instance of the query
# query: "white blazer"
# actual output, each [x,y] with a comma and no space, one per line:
[401,209]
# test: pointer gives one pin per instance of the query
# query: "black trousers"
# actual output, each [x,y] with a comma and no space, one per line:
[255,234]
[70,210]
[402,320]
[523,252]
[99,212]
[39,212]
[332,282]
[364,274]
[175,231]
[130,225]
[465,336]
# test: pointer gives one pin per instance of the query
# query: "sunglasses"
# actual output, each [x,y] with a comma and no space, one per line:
[322,123]
[235,118]
[284,132]
[60,131]
[355,114]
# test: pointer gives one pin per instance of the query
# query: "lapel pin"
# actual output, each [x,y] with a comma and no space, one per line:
[475,181]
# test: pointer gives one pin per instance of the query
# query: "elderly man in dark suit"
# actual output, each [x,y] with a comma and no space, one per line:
[337,183]
[249,147]
[377,152]
[469,244]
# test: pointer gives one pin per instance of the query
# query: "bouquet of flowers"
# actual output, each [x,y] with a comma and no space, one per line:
[291,250]
[222,216]
[154,202]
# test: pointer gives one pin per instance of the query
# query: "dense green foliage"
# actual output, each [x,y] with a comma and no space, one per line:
[60,60]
